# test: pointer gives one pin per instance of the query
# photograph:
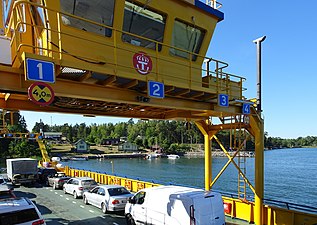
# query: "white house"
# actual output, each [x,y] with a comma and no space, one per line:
[128,146]
[81,146]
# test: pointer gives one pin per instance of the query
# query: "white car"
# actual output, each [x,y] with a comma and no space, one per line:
[77,185]
[108,197]
[3,181]
[20,211]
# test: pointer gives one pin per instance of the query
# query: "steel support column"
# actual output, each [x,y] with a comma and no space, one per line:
[257,126]
[207,130]
[208,171]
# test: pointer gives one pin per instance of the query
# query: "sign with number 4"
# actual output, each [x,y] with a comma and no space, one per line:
[246,108]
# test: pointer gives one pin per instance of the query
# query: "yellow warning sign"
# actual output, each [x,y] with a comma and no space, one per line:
[41,93]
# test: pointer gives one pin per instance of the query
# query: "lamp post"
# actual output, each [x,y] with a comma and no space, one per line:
[259,84]
[259,145]
[112,166]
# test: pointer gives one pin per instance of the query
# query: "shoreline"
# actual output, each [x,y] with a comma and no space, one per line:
[144,155]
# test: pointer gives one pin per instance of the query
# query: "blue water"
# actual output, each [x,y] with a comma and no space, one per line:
[290,174]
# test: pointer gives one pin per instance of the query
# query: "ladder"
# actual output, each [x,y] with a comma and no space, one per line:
[238,138]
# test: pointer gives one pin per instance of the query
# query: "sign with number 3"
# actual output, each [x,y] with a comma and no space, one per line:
[223,100]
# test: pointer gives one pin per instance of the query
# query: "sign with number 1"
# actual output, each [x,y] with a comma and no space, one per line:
[39,70]
[223,100]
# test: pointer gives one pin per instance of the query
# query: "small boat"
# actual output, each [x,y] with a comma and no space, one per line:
[79,158]
[173,156]
[151,156]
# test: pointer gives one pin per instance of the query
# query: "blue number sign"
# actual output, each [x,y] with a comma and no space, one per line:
[223,100]
[246,108]
[39,70]
[156,89]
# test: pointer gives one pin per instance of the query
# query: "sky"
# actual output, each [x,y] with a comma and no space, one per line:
[289,76]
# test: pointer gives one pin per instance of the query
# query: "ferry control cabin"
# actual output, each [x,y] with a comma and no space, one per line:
[123,45]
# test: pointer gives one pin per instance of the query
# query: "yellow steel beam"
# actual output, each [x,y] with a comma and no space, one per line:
[107,81]
[230,126]
[257,126]
[85,76]
[13,81]
[234,163]
[227,164]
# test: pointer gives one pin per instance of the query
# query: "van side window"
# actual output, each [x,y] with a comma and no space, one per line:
[139,198]
[141,25]
[98,12]
[186,38]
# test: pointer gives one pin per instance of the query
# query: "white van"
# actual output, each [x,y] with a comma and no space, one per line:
[175,205]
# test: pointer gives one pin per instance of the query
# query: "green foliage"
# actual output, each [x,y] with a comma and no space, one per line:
[146,133]
[23,148]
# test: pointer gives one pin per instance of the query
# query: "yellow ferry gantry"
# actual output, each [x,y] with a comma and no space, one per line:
[126,58]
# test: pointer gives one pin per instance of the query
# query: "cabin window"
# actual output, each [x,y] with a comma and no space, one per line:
[38,17]
[98,13]
[6,6]
[142,25]
[186,38]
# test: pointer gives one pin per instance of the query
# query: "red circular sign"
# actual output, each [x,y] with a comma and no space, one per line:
[142,63]
[41,93]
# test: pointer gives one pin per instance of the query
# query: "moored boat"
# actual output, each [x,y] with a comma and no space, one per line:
[173,156]
[78,158]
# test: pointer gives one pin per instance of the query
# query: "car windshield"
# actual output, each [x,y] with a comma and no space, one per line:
[118,191]
[88,182]
[17,217]
[5,194]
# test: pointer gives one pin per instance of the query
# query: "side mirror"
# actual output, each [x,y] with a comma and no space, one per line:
[131,200]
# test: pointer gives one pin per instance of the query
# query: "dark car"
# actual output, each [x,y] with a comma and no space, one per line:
[57,180]
[43,173]
[6,192]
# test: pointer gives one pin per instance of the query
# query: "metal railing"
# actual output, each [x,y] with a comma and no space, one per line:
[241,209]
[216,78]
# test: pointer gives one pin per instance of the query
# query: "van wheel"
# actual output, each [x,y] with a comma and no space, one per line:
[129,219]
[54,186]
[104,208]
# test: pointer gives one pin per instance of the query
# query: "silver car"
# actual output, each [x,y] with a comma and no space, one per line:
[76,186]
[108,197]
[57,180]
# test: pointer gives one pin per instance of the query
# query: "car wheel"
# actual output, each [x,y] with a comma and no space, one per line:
[75,194]
[65,192]
[85,200]
[104,208]
[129,219]
[54,186]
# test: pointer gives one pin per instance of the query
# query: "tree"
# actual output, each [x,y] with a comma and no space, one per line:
[38,127]
[23,148]
[20,127]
